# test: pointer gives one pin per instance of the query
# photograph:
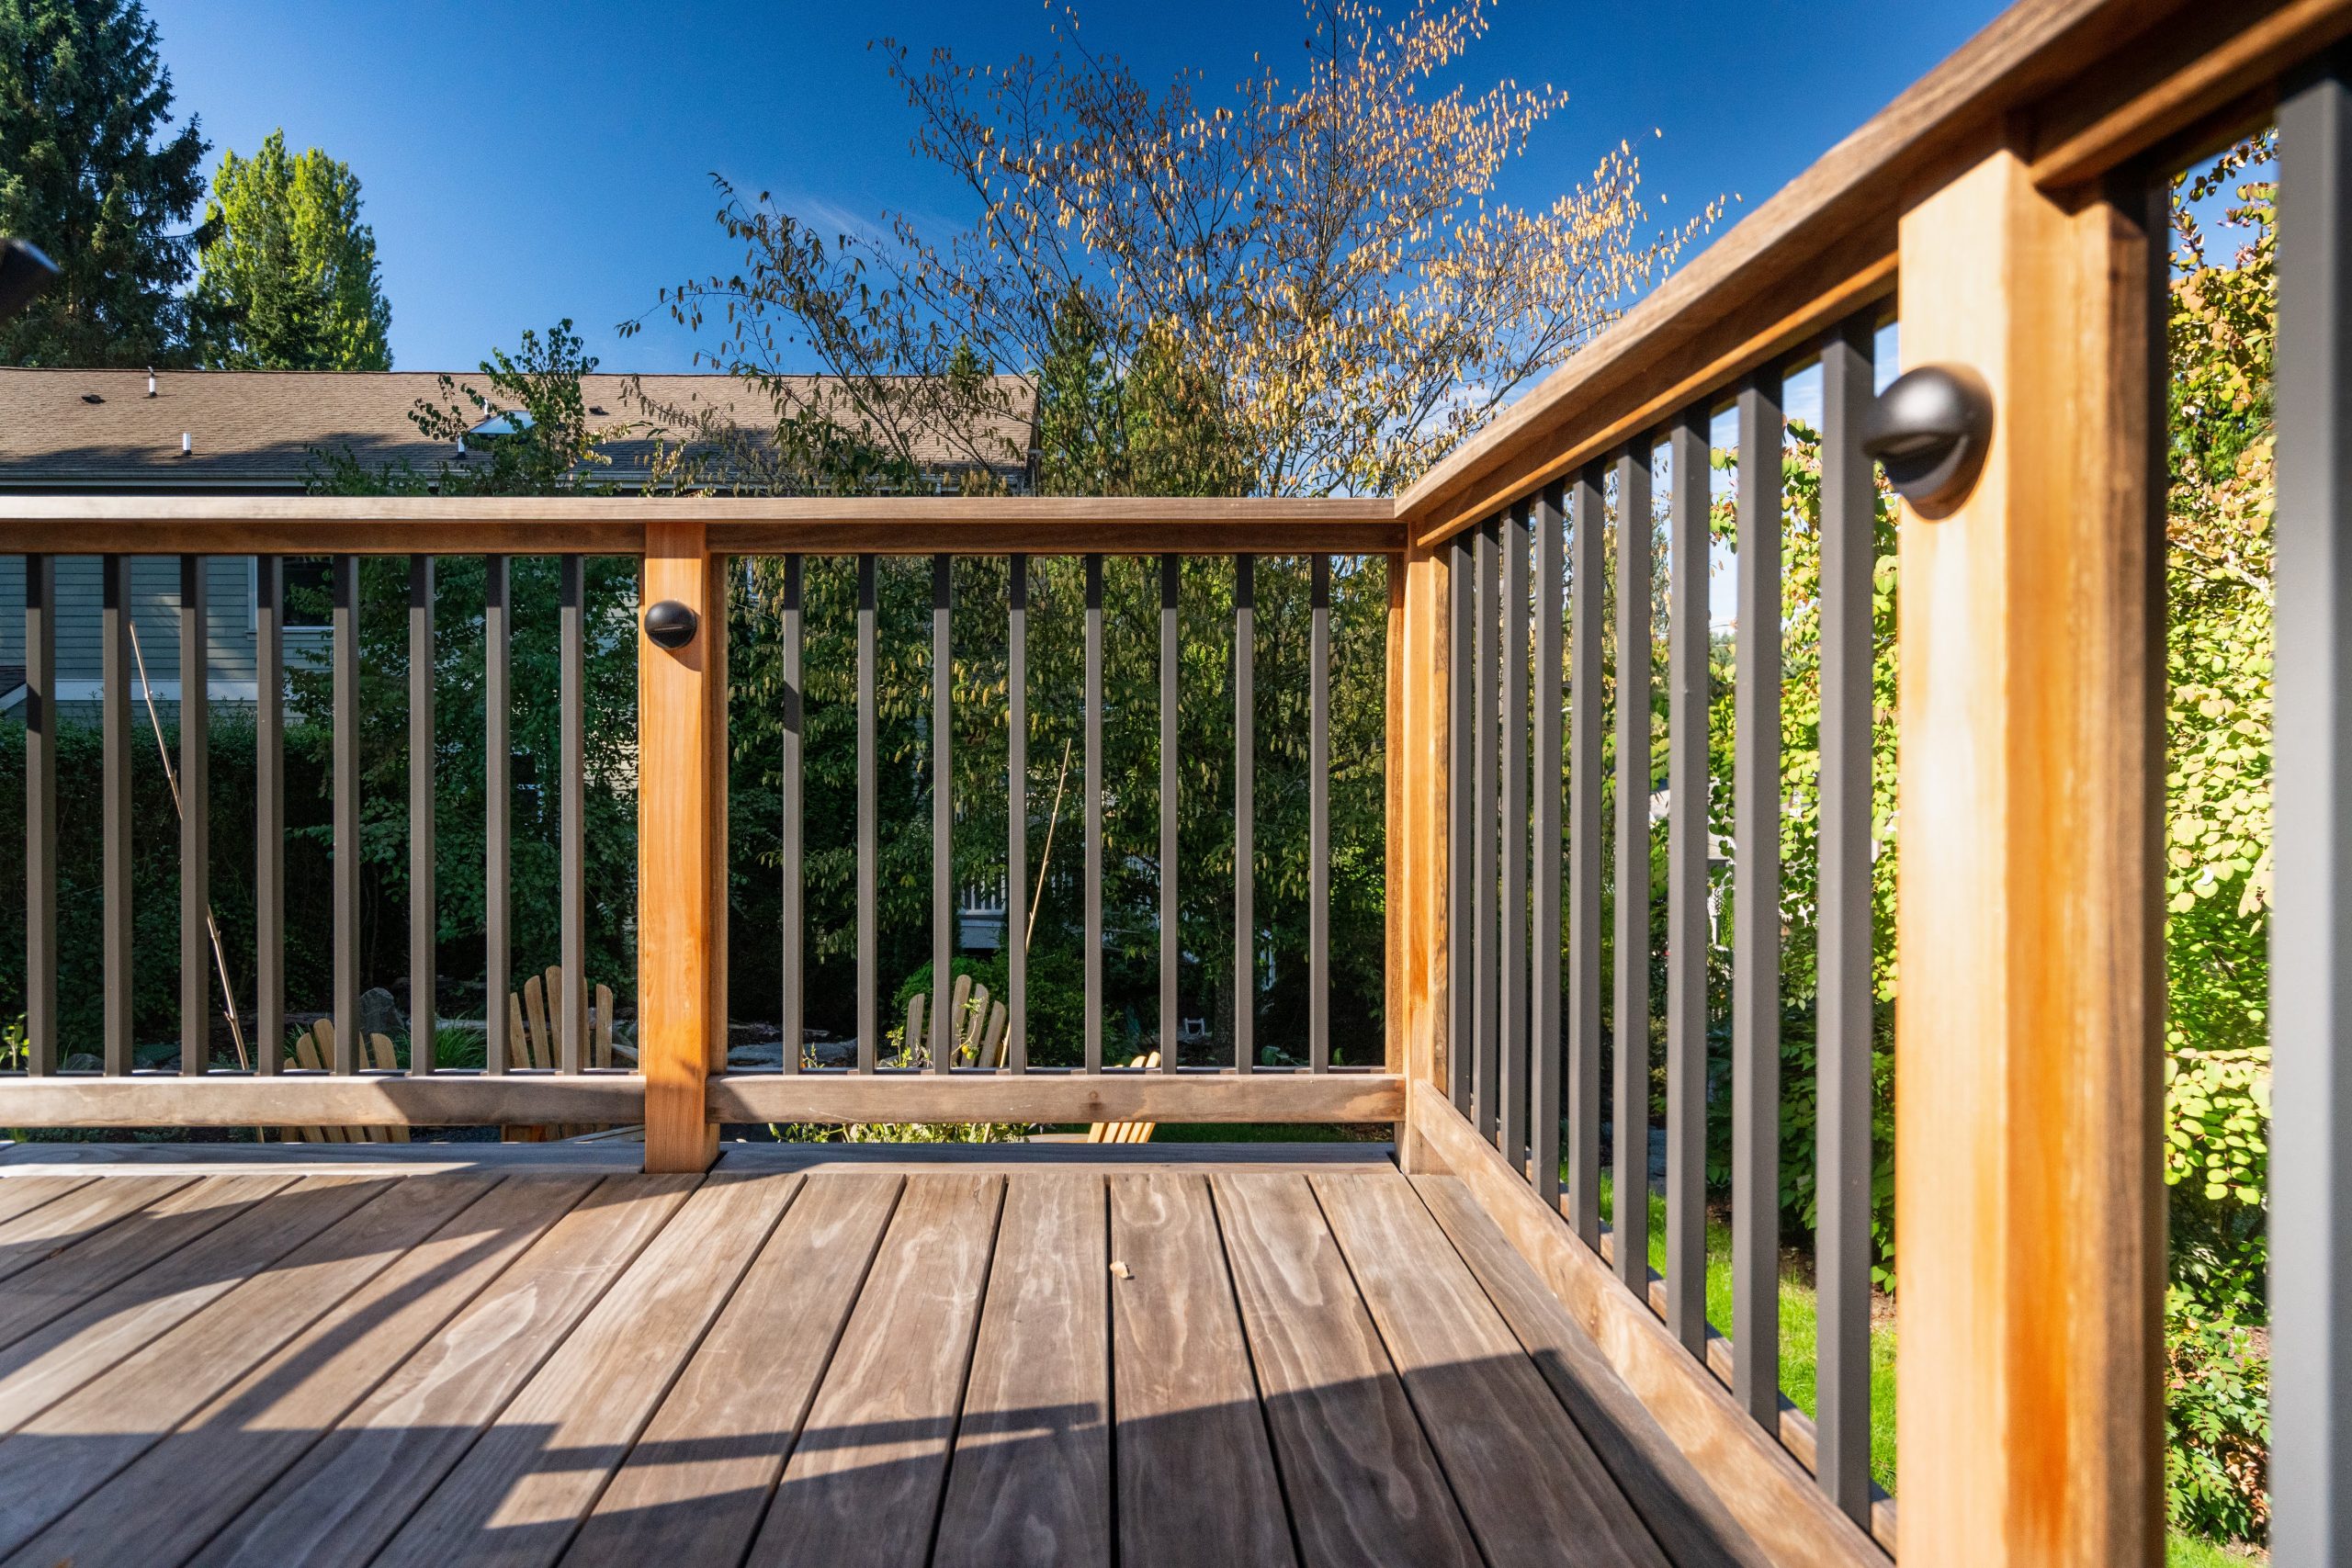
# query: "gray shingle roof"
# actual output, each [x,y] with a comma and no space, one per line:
[257,428]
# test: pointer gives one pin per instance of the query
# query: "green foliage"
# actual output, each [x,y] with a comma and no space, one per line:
[90,172]
[286,278]
[2217,1424]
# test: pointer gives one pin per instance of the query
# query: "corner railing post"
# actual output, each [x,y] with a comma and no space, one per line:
[1416,852]
[682,851]
[2029,1200]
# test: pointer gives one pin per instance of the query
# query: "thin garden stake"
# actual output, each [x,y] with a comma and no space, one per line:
[228,995]
[1047,859]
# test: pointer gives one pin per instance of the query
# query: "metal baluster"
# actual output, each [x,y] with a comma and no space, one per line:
[1584,721]
[1485,913]
[573,767]
[1016,843]
[423,924]
[1461,821]
[115,809]
[1245,810]
[1548,932]
[1630,1120]
[1685,888]
[345,662]
[1094,814]
[1756,917]
[1515,1021]
[869,973]
[269,814]
[791,832]
[944,1021]
[1172,939]
[196,820]
[1842,1243]
[498,798]
[40,815]
[2311,937]
[1319,816]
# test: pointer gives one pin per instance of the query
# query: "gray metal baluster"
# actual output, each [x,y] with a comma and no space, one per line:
[869,971]
[423,922]
[1318,814]
[2311,934]
[40,815]
[1543,1027]
[269,814]
[196,820]
[498,799]
[1486,958]
[1756,914]
[572,768]
[792,841]
[944,1021]
[1093,814]
[1842,1243]
[115,807]
[1245,810]
[1585,721]
[345,662]
[1016,841]
[1172,936]
[1630,1120]
[1686,888]
[1460,815]
[1515,846]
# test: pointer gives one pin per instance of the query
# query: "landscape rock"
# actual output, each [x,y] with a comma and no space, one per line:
[379,1014]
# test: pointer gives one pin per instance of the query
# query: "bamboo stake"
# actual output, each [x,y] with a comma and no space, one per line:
[1047,858]
[219,961]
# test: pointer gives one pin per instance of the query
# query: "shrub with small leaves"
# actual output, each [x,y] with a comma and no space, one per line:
[2217,1424]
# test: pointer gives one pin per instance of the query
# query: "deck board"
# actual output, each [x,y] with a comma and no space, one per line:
[1363,1484]
[180,1492]
[65,1452]
[864,1483]
[890,1360]
[1189,1425]
[1030,1482]
[358,1484]
[695,1486]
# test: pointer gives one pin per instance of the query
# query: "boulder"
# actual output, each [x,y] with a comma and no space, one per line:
[379,1014]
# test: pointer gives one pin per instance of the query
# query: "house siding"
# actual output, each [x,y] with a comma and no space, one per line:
[155,618]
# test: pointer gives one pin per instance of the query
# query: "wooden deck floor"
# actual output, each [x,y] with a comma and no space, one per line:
[1158,1359]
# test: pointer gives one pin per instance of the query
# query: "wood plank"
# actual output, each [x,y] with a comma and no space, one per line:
[1035,1155]
[1030,1481]
[862,1484]
[118,1239]
[74,1346]
[1207,1096]
[2030,909]
[1189,1423]
[693,1488]
[1363,1487]
[21,1197]
[345,1496]
[117,1161]
[297,1098]
[1771,1496]
[65,1452]
[1526,1479]
[1419,849]
[73,1217]
[521,1489]
[1682,1510]
[177,1495]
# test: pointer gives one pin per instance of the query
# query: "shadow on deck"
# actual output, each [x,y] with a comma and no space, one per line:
[1224,1357]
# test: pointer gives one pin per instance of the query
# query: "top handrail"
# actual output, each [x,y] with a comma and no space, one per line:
[615,525]
[2082,87]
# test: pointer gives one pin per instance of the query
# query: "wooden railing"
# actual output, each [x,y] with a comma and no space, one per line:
[2007,214]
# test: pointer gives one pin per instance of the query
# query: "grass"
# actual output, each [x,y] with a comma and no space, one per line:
[1798,1361]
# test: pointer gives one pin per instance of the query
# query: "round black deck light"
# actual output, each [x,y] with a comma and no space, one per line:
[671,624]
[1929,430]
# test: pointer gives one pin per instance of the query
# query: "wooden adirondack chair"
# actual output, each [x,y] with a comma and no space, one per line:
[314,1051]
[979,1027]
[533,1039]
[1126,1132]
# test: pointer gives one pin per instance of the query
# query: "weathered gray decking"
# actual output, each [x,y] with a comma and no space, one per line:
[1150,1357]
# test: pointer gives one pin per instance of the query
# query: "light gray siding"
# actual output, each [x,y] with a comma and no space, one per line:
[155,587]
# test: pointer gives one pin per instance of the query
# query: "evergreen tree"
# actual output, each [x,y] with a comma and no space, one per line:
[287,278]
[89,173]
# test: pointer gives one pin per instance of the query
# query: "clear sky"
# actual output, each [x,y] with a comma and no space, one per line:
[528,160]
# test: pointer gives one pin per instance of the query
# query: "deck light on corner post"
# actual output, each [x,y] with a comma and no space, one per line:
[1929,430]
[671,624]
[24,272]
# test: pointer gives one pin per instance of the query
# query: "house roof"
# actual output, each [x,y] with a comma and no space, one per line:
[258,429]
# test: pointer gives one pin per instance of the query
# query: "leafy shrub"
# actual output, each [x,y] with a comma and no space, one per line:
[2217,1424]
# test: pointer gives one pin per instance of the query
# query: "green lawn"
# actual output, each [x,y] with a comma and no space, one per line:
[1798,1348]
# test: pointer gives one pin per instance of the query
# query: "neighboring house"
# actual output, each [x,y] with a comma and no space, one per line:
[254,433]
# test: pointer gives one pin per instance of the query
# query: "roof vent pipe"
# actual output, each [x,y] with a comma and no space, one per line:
[150,381]
[187,443]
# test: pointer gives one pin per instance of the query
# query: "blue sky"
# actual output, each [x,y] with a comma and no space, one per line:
[535,159]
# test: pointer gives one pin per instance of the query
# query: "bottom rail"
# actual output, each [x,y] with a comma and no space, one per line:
[447,1099]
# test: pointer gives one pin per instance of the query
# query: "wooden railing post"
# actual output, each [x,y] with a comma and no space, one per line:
[682,852]
[2028,1203]
[1417,849]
